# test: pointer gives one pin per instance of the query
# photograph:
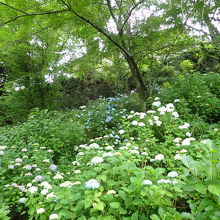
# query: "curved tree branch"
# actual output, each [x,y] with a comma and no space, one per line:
[32,14]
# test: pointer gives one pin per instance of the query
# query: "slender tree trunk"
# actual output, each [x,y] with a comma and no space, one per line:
[139,82]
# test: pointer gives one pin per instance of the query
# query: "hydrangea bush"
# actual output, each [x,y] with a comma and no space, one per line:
[135,170]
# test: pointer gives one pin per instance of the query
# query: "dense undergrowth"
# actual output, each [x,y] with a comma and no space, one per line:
[109,161]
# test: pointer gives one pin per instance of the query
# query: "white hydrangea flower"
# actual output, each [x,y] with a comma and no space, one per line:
[130,116]
[94,146]
[147,182]
[175,114]
[53,216]
[142,115]
[96,160]
[151,111]
[44,191]
[186,142]
[2,152]
[58,176]
[177,140]
[107,154]
[183,151]
[46,185]
[33,189]
[177,157]
[157,103]
[164,181]
[111,192]
[11,166]
[92,184]
[188,134]
[22,200]
[134,151]
[176,100]
[18,160]
[77,171]
[156,118]
[50,195]
[109,148]
[185,126]
[121,131]
[159,157]
[172,174]
[150,122]
[141,124]
[158,123]
[144,153]
[3,147]
[134,122]
[40,210]
[81,154]
[67,184]
[28,167]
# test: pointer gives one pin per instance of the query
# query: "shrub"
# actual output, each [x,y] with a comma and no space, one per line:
[196,94]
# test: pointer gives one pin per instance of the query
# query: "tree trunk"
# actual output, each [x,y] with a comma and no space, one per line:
[139,82]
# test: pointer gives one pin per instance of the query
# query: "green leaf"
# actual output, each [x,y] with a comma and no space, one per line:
[99,206]
[115,205]
[214,189]
[154,217]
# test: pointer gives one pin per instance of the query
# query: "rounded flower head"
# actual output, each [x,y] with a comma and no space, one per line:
[92,184]
[50,195]
[39,178]
[147,182]
[134,123]
[159,157]
[18,160]
[111,192]
[107,154]
[33,189]
[53,216]
[96,160]
[46,185]
[44,191]
[94,146]
[173,174]
[67,184]
[157,103]
[58,176]
[2,152]
[22,200]
[53,167]
[3,147]
[121,131]
[40,211]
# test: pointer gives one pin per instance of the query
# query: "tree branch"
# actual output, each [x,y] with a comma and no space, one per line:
[16,9]
[129,14]
[99,29]
[32,14]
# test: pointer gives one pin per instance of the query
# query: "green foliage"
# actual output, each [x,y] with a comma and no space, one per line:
[59,131]
[132,168]
[197,95]
[187,66]
[202,182]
